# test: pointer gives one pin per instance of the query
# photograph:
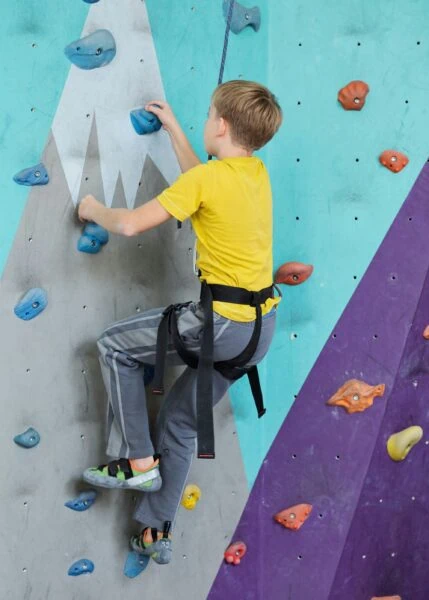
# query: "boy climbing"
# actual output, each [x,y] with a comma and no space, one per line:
[221,337]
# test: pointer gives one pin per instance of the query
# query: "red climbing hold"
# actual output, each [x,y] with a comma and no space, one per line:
[235,552]
[293,273]
[393,160]
[294,517]
[356,396]
[353,95]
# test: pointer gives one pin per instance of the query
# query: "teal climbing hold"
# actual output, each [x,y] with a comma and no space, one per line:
[32,304]
[144,121]
[37,175]
[242,16]
[93,51]
[94,230]
[28,439]
[92,239]
[80,567]
[84,501]
[135,564]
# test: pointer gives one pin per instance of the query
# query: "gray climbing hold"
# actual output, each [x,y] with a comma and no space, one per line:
[37,175]
[242,16]
[28,439]
[80,567]
[32,304]
[93,51]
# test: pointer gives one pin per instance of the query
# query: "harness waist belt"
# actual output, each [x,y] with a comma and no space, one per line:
[231,369]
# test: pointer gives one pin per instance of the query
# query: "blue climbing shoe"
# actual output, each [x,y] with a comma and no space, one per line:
[160,550]
[119,474]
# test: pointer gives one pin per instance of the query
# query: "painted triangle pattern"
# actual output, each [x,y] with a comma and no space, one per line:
[367,534]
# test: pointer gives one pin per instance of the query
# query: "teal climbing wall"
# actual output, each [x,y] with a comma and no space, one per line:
[333,202]
[32,78]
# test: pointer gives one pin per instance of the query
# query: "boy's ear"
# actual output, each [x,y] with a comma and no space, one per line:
[222,126]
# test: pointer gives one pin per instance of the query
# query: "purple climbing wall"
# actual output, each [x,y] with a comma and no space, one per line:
[368,533]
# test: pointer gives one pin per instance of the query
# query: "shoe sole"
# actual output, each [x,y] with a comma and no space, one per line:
[135,483]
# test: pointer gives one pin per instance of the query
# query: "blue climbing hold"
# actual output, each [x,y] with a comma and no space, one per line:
[242,16]
[93,51]
[37,175]
[144,121]
[91,1]
[28,439]
[32,304]
[88,244]
[96,231]
[80,567]
[148,374]
[135,564]
[84,501]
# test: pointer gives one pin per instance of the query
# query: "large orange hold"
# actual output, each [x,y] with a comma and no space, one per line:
[426,332]
[294,517]
[386,598]
[393,160]
[356,396]
[353,95]
[235,552]
[293,273]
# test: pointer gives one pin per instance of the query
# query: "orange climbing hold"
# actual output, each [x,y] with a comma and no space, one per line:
[293,273]
[294,517]
[386,598]
[235,552]
[356,396]
[353,95]
[426,332]
[393,160]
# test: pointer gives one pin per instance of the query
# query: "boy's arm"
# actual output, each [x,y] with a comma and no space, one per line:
[181,146]
[121,220]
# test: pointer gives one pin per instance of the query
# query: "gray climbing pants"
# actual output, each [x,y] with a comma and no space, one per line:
[124,349]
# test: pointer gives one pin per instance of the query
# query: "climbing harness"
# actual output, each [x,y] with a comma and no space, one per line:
[232,369]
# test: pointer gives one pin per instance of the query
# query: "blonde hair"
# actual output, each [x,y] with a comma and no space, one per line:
[251,110]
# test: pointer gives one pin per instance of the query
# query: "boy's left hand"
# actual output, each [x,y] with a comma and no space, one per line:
[86,208]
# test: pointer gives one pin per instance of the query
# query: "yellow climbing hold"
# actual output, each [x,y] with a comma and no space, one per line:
[190,497]
[399,444]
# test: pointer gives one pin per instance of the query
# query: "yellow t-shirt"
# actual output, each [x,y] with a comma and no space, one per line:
[230,206]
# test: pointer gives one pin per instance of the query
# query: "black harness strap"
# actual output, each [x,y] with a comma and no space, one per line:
[231,369]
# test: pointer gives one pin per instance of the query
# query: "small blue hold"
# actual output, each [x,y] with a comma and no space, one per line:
[32,304]
[148,374]
[135,564]
[242,17]
[93,51]
[37,175]
[96,231]
[84,501]
[91,1]
[80,567]
[28,439]
[88,244]
[144,121]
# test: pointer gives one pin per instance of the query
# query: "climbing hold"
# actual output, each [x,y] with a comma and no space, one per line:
[235,552]
[399,444]
[96,231]
[135,564]
[93,51]
[356,396]
[293,273]
[84,501]
[294,517]
[353,95]
[80,567]
[144,121]
[148,374]
[91,1]
[242,17]
[28,439]
[386,598]
[426,332]
[37,175]
[31,304]
[393,160]
[191,496]
[88,244]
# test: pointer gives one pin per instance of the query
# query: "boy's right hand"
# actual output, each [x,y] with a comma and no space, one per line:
[164,113]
